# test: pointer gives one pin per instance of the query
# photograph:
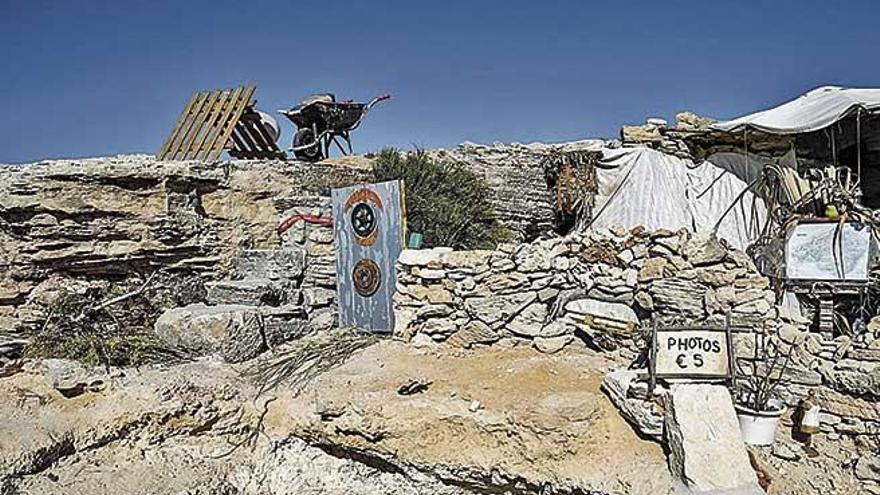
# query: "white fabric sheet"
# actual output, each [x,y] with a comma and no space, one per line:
[641,186]
[812,111]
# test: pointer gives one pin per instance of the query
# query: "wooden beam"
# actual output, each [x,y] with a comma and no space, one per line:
[244,133]
[224,110]
[191,127]
[174,147]
[218,120]
[257,124]
[198,124]
[209,125]
[178,125]
[224,137]
[254,129]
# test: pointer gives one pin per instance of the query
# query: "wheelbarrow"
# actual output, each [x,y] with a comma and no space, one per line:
[321,121]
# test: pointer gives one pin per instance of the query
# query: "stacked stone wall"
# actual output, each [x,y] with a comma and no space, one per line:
[692,138]
[316,241]
[602,285]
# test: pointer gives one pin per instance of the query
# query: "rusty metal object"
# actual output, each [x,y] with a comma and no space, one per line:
[366,277]
[290,221]
[321,121]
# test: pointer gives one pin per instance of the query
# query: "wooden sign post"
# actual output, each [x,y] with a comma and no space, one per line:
[691,353]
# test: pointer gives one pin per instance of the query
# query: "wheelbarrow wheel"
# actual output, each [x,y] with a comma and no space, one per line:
[310,154]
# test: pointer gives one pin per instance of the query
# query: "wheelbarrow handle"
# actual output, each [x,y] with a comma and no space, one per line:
[382,97]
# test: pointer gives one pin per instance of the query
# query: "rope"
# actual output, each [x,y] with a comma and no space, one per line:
[733,204]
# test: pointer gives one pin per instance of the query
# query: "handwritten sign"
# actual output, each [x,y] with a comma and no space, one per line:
[684,353]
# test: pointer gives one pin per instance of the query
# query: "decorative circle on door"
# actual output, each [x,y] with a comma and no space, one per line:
[363,208]
[366,277]
[363,220]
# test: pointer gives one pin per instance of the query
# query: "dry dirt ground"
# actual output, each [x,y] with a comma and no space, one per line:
[493,420]
[493,416]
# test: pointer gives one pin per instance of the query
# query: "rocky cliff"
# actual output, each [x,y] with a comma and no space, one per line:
[110,219]
[527,194]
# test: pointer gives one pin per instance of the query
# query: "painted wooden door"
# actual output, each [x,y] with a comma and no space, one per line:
[369,226]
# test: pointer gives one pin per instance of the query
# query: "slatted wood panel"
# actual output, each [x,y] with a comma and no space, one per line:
[206,125]
[251,140]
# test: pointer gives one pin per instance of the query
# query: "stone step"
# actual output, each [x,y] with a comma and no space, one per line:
[237,332]
[273,264]
[284,323]
[253,292]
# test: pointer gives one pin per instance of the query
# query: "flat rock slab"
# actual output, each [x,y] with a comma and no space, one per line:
[643,414]
[252,292]
[706,450]
[286,263]
[610,310]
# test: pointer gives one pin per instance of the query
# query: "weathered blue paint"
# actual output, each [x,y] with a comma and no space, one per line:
[373,313]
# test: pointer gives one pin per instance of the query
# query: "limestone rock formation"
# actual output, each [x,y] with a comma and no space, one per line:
[120,217]
[868,468]
[234,331]
[521,196]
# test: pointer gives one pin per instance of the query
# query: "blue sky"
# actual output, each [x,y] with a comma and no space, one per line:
[88,78]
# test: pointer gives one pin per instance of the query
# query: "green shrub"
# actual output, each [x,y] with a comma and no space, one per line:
[445,202]
[112,325]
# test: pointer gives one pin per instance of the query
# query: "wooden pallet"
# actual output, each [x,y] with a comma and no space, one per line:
[214,121]
[251,140]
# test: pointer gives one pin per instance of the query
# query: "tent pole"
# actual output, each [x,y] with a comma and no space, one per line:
[859,148]
[833,147]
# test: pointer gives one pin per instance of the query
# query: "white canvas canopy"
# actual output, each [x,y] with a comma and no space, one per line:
[810,112]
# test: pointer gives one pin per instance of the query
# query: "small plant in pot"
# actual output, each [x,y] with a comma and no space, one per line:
[757,407]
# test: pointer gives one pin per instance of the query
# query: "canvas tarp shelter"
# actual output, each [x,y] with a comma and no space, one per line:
[810,112]
[641,186]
